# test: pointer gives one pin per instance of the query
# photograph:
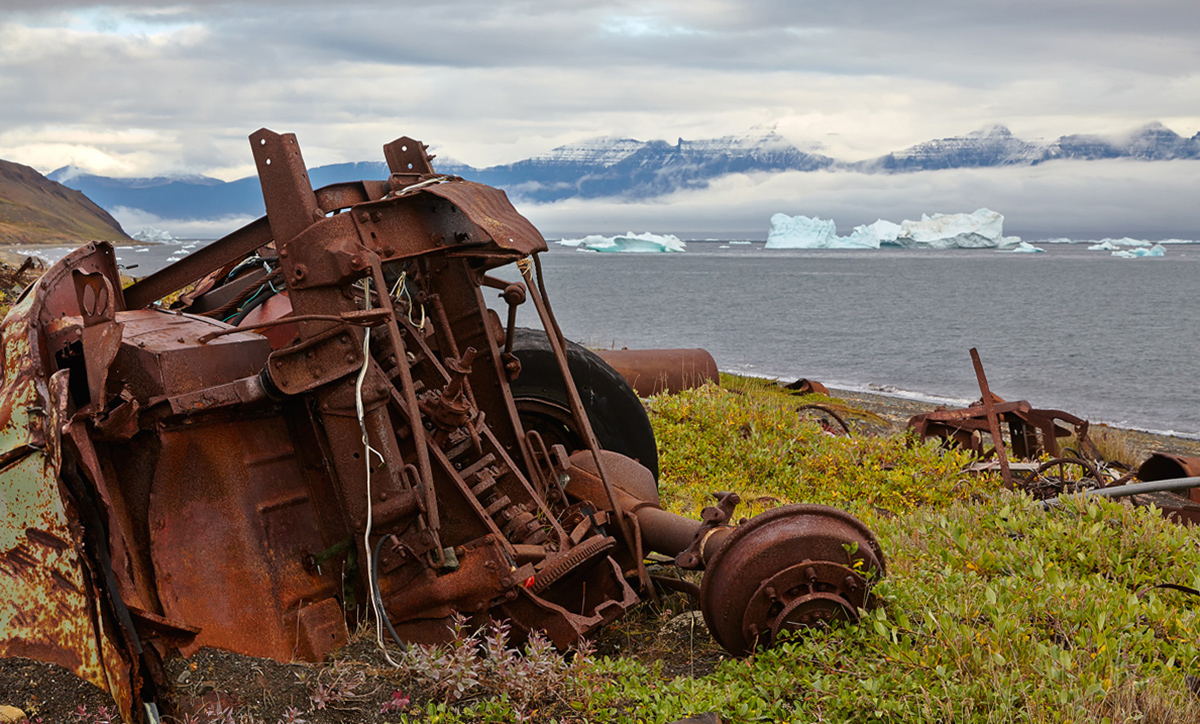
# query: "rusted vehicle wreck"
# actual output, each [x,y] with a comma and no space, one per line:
[333,424]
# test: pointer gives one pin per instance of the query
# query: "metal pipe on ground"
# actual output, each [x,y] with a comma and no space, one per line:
[655,371]
[1122,491]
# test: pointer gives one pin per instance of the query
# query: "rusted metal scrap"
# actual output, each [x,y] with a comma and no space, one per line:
[326,424]
[656,371]
[1031,431]
[1183,505]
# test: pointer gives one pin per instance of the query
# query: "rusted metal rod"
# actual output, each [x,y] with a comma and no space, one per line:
[1123,491]
[554,335]
[989,409]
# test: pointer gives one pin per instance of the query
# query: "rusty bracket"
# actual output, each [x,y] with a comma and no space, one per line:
[101,332]
[714,517]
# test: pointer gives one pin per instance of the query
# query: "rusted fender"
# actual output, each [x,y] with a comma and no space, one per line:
[655,371]
[49,608]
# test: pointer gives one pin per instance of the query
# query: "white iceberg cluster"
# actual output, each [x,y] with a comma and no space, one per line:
[1139,252]
[630,242]
[982,229]
[152,234]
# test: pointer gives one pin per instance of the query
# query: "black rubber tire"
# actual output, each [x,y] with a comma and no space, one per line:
[613,408]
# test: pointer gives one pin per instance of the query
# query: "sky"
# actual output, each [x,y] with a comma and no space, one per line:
[149,88]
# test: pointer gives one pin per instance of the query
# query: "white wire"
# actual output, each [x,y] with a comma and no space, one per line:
[368,450]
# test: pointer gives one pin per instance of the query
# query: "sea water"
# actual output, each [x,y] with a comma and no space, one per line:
[1111,340]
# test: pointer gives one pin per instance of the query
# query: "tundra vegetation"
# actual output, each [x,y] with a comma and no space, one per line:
[993,609]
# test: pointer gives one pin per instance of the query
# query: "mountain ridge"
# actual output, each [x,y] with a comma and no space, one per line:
[627,168]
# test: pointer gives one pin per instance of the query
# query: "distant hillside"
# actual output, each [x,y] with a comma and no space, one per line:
[36,210]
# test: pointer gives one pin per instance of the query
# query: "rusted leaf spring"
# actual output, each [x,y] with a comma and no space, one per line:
[655,371]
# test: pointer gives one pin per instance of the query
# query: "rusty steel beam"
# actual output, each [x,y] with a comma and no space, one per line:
[989,412]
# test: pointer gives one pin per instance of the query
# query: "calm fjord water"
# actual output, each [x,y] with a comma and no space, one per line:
[1113,340]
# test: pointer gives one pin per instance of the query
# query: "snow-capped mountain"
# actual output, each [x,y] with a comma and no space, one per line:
[991,146]
[997,146]
[1151,142]
[626,168]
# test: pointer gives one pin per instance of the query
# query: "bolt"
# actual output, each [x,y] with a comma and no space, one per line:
[770,593]
[811,573]
[376,217]
[364,217]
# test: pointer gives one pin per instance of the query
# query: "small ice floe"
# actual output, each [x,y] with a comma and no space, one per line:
[1105,245]
[173,259]
[630,242]
[1022,247]
[1141,252]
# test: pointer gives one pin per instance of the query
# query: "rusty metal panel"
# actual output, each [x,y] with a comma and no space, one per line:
[490,209]
[48,606]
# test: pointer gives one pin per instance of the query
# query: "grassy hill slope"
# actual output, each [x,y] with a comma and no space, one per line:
[36,210]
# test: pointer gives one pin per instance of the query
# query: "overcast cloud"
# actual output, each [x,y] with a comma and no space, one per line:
[142,88]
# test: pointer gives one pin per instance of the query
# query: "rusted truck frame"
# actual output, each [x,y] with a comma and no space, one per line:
[258,476]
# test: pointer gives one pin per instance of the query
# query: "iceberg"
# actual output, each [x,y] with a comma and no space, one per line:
[1022,247]
[982,229]
[630,242]
[1106,245]
[1141,252]
[152,234]
[801,232]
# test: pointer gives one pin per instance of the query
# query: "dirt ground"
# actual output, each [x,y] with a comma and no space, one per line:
[357,685]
